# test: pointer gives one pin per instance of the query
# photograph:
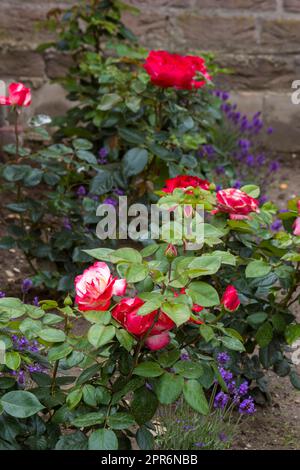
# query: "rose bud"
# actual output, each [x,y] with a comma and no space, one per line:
[230,299]
[171,251]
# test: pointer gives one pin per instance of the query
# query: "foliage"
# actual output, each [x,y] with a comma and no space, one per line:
[122,382]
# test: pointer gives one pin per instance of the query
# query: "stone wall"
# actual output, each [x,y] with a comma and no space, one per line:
[257,39]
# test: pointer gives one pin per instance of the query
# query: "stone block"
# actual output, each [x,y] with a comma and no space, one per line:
[218,33]
[282,35]
[18,64]
[281,114]
[252,5]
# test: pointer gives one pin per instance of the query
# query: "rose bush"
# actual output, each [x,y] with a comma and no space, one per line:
[143,351]
[117,139]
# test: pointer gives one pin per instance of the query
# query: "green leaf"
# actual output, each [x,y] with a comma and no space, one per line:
[12,360]
[125,339]
[203,294]
[82,144]
[136,272]
[99,335]
[148,369]
[102,183]
[264,334]
[126,254]
[132,136]
[74,398]
[256,319]
[30,328]
[13,307]
[188,369]
[21,404]
[134,161]
[168,358]
[103,439]
[257,268]
[86,156]
[102,254]
[292,333]
[149,250]
[169,388]
[195,397]
[232,343]
[205,265]
[133,103]
[109,101]
[51,335]
[207,332]
[121,421]
[95,316]
[144,438]
[143,405]
[89,395]
[251,189]
[179,313]
[74,441]
[89,419]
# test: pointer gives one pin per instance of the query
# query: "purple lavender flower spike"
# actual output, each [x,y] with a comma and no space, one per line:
[225,374]
[247,406]
[67,224]
[81,191]
[274,166]
[263,199]
[119,192]
[111,201]
[237,184]
[243,389]
[21,377]
[26,285]
[223,437]
[276,225]
[221,400]
[185,357]
[223,358]
[35,301]
[2,294]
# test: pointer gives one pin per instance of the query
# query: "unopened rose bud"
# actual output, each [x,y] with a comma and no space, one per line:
[68,302]
[212,187]
[171,251]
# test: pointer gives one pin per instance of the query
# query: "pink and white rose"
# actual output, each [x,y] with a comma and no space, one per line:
[96,286]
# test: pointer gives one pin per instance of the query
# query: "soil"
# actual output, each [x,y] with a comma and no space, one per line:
[275,426]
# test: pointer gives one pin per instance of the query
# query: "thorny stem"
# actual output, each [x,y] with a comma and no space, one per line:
[54,377]
[17,132]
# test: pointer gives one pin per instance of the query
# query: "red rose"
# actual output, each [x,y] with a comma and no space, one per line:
[230,299]
[126,313]
[184,181]
[198,64]
[174,70]
[18,95]
[236,203]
